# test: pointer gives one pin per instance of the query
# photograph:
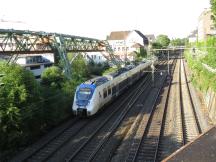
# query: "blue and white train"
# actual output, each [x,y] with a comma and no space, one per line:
[95,93]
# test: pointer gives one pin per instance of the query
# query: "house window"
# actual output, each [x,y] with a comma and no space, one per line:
[94,56]
[119,48]
[123,48]
[127,48]
[35,67]
[114,49]
[37,76]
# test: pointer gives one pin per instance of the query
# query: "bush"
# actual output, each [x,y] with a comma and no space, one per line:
[20,90]
[201,77]
[52,77]
[28,109]
[210,58]
[97,68]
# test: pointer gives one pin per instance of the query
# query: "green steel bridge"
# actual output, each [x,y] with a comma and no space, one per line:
[16,42]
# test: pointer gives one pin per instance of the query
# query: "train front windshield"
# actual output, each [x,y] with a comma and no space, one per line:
[84,94]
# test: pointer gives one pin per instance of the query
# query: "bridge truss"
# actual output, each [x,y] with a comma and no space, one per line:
[15,42]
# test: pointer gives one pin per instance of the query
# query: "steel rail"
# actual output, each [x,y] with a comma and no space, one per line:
[184,134]
[71,157]
[165,112]
[136,145]
[191,101]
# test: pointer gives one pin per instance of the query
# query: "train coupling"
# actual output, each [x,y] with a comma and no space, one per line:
[81,112]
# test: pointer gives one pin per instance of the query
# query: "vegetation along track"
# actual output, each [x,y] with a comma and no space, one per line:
[51,147]
[46,149]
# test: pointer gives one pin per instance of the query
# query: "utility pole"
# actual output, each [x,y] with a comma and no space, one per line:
[152,65]
[125,51]
[168,64]
[153,69]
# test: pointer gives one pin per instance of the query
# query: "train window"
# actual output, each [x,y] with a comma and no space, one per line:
[104,93]
[109,90]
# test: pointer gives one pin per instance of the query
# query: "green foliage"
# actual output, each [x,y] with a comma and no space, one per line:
[142,53]
[179,42]
[79,69]
[52,77]
[28,109]
[213,9]
[163,40]
[201,77]
[210,58]
[156,45]
[19,90]
[97,68]
[110,70]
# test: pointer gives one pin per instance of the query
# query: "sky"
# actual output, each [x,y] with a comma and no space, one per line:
[97,18]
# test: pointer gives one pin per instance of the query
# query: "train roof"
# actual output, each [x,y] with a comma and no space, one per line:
[120,71]
[97,81]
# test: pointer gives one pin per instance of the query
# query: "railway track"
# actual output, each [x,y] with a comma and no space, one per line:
[191,127]
[146,143]
[52,145]
[88,150]
[182,124]
[132,120]
[172,134]
[75,143]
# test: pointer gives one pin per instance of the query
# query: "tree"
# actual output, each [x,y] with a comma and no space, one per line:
[156,45]
[213,9]
[20,89]
[163,40]
[179,42]
[79,69]
[52,77]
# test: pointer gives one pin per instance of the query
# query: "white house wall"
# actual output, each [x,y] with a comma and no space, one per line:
[36,72]
[21,60]
[124,47]
[35,68]
[134,38]
[49,57]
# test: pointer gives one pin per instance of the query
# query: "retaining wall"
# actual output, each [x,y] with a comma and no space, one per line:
[210,101]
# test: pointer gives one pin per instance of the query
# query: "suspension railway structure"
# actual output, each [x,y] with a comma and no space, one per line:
[16,42]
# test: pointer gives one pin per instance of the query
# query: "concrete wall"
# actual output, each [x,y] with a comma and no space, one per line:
[210,101]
